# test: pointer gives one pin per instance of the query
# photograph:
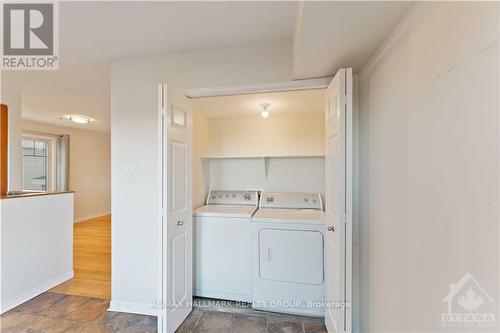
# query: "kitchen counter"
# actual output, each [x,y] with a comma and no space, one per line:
[26,194]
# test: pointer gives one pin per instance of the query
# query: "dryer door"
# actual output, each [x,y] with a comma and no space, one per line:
[294,256]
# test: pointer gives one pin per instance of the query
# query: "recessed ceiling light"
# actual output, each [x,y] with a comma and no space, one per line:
[264,113]
[77,119]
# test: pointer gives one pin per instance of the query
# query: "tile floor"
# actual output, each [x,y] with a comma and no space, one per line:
[52,312]
[209,321]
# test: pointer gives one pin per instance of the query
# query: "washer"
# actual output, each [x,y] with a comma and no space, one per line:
[288,254]
[222,245]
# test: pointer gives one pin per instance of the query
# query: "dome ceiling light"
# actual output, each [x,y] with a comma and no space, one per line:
[264,107]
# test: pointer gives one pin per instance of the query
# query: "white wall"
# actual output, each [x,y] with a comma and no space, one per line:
[135,141]
[12,99]
[283,174]
[201,140]
[36,246]
[278,135]
[429,168]
[294,135]
[89,167]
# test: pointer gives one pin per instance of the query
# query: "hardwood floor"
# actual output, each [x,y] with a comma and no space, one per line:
[91,260]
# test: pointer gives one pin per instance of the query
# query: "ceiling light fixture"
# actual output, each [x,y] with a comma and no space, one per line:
[77,119]
[264,113]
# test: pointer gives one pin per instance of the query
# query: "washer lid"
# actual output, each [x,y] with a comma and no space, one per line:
[289,215]
[225,211]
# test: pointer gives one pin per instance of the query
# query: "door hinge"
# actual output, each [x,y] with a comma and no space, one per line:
[162,107]
[163,97]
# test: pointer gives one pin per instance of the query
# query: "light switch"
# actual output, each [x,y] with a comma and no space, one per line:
[128,171]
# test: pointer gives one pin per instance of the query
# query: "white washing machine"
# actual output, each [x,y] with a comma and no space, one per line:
[222,245]
[287,254]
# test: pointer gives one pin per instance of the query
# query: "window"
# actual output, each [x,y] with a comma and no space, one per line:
[37,175]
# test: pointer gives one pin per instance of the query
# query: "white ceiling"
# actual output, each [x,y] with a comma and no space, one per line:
[333,35]
[94,33]
[303,101]
[134,29]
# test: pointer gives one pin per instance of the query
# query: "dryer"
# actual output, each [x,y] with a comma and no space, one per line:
[288,254]
[222,245]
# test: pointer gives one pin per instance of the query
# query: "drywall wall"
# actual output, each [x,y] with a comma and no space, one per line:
[277,135]
[37,246]
[12,99]
[296,135]
[89,168]
[135,137]
[429,168]
[273,174]
[201,139]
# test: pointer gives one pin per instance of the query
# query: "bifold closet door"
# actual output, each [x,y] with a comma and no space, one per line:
[338,203]
[177,221]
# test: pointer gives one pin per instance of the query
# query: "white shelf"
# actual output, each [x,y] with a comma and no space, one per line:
[263,158]
[259,156]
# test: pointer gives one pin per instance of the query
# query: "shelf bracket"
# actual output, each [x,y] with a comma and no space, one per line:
[265,160]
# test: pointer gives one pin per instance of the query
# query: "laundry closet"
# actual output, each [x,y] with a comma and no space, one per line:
[251,151]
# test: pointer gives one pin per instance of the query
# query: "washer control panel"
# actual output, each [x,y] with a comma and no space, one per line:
[290,200]
[250,198]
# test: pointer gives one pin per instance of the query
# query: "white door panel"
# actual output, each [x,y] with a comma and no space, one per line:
[179,268]
[178,165]
[177,221]
[338,264]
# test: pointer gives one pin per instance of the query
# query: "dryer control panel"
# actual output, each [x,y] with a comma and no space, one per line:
[289,200]
[250,198]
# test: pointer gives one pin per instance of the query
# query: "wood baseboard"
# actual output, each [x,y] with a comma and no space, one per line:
[90,217]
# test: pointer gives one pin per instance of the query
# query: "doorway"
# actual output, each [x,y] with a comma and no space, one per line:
[177,259]
[58,158]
